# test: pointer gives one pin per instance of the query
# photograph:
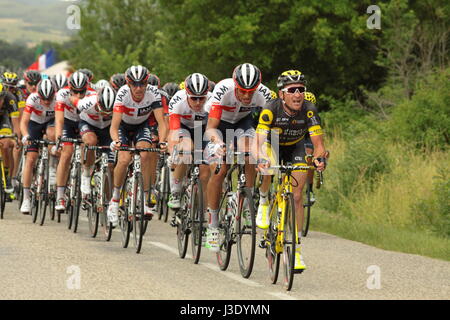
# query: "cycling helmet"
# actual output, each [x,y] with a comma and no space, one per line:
[3,91]
[247,77]
[117,81]
[10,79]
[88,73]
[181,85]
[78,81]
[170,88]
[101,84]
[60,81]
[138,74]
[32,77]
[310,97]
[154,80]
[289,77]
[196,84]
[106,98]
[21,84]
[45,90]
[211,86]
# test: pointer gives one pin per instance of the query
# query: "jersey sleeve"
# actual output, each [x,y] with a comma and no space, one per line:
[12,106]
[313,120]
[265,122]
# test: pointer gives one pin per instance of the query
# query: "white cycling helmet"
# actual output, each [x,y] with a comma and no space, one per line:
[101,84]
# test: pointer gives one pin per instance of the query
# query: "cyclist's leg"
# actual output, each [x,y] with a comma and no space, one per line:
[7,151]
[89,137]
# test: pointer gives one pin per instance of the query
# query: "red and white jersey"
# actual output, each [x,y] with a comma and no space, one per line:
[181,112]
[39,113]
[134,112]
[225,106]
[88,112]
[63,104]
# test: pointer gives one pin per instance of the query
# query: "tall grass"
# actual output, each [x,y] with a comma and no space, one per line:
[387,194]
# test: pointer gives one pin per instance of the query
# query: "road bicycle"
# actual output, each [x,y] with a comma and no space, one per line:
[132,203]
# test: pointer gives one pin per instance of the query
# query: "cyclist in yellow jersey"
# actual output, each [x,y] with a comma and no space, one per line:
[283,123]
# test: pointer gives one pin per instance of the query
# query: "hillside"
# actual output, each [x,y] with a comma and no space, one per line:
[30,22]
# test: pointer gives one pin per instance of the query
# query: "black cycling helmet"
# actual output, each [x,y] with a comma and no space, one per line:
[60,81]
[170,88]
[196,84]
[290,77]
[154,80]
[106,98]
[117,81]
[137,74]
[78,81]
[46,90]
[32,77]
[88,73]
[247,77]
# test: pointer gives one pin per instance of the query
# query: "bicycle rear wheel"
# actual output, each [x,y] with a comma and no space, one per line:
[77,200]
[307,210]
[2,198]
[165,194]
[138,216]
[197,230]
[289,242]
[246,232]
[106,193]
[225,236]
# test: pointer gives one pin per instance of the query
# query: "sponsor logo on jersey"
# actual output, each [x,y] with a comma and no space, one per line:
[145,110]
[265,92]
[221,92]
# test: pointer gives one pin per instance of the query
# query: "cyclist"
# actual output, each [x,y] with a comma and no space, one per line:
[66,123]
[101,84]
[60,81]
[38,118]
[132,108]
[211,86]
[9,121]
[117,81]
[88,74]
[170,88]
[187,112]
[230,108]
[285,121]
[32,78]
[95,121]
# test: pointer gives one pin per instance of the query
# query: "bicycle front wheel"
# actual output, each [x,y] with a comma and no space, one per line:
[307,210]
[77,200]
[197,229]
[289,242]
[225,236]
[273,258]
[43,196]
[138,214]
[246,232]
[183,225]
[2,198]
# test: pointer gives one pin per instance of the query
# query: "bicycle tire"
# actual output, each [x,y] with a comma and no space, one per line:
[138,216]
[2,199]
[183,227]
[107,195]
[34,206]
[77,202]
[289,242]
[225,238]
[51,205]
[246,259]
[197,229]
[273,258]
[165,195]
[124,216]
[306,210]
[93,210]
[43,196]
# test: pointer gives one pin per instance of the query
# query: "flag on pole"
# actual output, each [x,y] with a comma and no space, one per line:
[44,61]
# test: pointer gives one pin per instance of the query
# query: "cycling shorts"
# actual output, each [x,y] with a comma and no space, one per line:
[36,131]
[132,134]
[70,130]
[103,137]
[294,154]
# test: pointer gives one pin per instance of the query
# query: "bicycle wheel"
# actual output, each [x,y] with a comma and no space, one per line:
[183,224]
[273,258]
[138,216]
[2,198]
[69,206]
[225,234]
[197,229]
[92,207]
[34,205]
[43,196]
[165,194]
[289,242]
[107,195]
[307,210]
[246,232]
[51,204]
[77,200]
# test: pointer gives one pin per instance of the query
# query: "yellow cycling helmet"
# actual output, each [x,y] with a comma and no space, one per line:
[273,94]
[181,85]
[289,77]
[10,78]
[310,97]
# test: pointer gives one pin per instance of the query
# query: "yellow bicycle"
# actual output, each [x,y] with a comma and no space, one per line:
[280,238]
[3,194]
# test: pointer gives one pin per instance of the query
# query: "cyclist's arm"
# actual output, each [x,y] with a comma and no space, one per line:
[59,120]
[319,146]
[16,126]
[162,127]
[115,124]
[211,130]
[174,127]
[24,121]
[262,132]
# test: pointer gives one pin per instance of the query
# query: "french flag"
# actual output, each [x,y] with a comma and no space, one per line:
[44,61]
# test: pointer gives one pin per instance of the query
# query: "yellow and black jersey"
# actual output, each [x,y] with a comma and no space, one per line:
[289,129]
[20,98]
[9,106]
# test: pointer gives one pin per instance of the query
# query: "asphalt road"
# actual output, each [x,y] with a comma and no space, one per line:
[51,262]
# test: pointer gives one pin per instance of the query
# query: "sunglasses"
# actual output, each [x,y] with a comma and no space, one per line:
[138,84]
[197,98]
[78,91]
[293,90]
[32,84]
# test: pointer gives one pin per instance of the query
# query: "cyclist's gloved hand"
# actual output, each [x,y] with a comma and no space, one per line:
[214,151]
[320,164]
[163,146]
[25,139]
[263,164]
[114,146]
